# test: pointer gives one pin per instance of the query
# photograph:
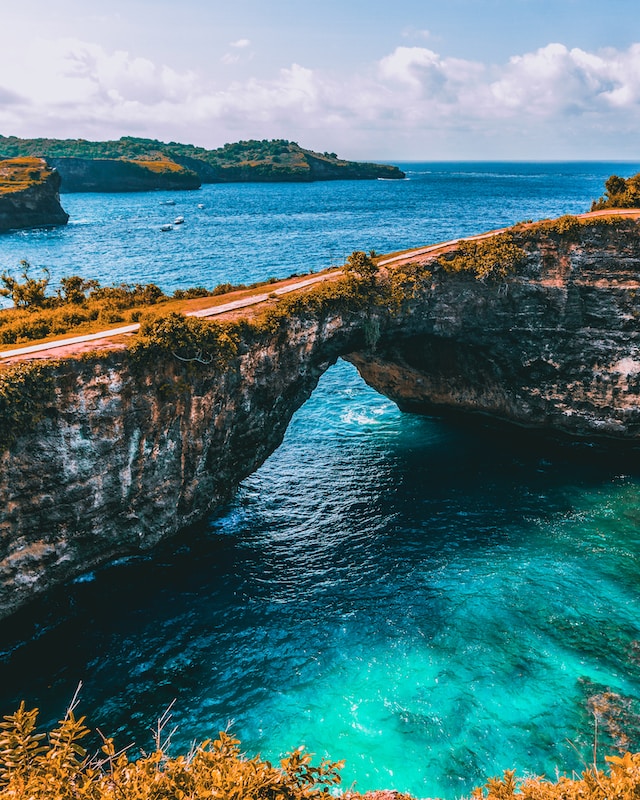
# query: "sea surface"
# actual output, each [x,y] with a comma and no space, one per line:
[433,603]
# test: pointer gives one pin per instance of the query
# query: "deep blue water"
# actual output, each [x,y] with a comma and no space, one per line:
[432,603]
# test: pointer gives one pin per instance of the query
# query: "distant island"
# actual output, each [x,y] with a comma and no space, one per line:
[134,164]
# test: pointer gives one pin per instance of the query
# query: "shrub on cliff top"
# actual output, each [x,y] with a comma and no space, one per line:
[619,193]
[26,389]
[31,292]
[187,339]
[493,258]
[571,228]
[362,266]
[341,294]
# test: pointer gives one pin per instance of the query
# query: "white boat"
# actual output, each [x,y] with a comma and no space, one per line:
[178,220]
[167,227]
[200,205]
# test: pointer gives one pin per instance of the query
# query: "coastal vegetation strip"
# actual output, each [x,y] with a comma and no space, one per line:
[82,307]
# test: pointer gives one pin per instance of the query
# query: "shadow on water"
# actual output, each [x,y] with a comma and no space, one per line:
[387,588]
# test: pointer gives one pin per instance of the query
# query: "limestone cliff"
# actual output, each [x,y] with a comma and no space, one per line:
[123,175]
[123,452]
[126,455]
[29,195]
[556,347]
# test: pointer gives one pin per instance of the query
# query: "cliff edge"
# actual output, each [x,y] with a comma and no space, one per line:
[106,454]
[29,195]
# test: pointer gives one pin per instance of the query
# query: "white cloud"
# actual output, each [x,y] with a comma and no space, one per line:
[234,58]
[411,95]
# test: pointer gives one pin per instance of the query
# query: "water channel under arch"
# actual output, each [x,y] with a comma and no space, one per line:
[431,603]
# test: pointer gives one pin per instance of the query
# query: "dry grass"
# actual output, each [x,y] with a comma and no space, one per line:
[159,165]
[18,174]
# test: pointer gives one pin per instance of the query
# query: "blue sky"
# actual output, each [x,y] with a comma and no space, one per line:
[461,79]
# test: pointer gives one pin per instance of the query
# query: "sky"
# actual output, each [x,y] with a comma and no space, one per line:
[394,80]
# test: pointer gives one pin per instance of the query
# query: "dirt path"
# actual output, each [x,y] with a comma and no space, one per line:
[70,345]
[115,337]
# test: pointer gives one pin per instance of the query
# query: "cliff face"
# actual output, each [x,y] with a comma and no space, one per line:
[29,195]
[126,454]
[555,348]
[122,175]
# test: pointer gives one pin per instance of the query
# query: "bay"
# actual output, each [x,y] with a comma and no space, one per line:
[432,603]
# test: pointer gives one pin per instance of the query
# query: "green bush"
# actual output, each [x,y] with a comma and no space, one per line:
[77,301]
[494,258]
[26,390]
[31,292]
[188,339]
[619,193]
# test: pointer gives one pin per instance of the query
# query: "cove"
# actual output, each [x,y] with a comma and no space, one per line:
[446,602]
[429,603]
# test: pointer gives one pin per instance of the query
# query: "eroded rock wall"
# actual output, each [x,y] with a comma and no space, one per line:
[34,206]
[127,453]
[555,348]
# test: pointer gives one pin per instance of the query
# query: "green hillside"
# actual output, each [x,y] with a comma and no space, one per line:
[266,160]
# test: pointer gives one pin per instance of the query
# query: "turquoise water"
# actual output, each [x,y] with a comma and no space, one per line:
[432,603]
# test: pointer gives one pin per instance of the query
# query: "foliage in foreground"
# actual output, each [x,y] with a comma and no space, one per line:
[620,782]
[38,766]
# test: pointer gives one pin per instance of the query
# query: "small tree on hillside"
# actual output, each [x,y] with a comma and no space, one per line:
[362,265]
[74,289]
[30,293]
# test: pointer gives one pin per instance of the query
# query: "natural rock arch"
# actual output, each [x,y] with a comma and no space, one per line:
[128,453]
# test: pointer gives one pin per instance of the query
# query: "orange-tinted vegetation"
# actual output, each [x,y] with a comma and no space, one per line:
[18,174]
[619,193]
[159,165]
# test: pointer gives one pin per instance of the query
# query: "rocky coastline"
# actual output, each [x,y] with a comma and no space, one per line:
[133,164]
[123,175]
[114,454]
[29,195]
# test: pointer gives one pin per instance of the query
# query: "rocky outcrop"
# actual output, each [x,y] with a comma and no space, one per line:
[124,452]
[29,195]
[554,348]
[127,455]
[122,175]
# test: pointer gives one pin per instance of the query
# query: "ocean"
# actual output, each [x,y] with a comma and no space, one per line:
[432,602]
